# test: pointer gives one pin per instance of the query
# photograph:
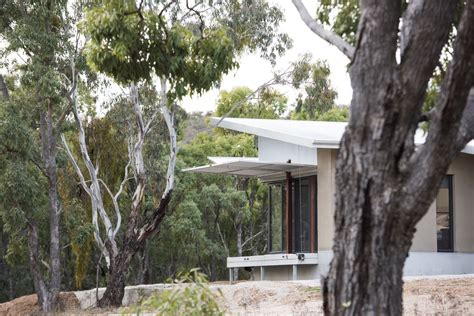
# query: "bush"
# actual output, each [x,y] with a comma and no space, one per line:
[191,295]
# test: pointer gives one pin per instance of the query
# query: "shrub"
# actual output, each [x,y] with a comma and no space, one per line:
[190,295]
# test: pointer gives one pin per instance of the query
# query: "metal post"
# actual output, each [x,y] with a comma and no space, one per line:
[231,275]
[295,272]
[262,273]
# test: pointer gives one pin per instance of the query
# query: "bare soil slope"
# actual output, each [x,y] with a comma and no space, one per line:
[28,305]
[444,296]
[453,295]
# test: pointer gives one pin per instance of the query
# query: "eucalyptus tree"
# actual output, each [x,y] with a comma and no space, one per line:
[186,48]
[41,37]
[385,185]
[317,96]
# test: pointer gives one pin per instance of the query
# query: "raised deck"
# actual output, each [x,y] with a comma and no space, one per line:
[271,263]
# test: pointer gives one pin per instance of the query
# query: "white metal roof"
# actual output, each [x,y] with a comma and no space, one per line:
[305,133]
[252,167]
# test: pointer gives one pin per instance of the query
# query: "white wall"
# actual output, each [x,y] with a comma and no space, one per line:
[438,263]
[277,151]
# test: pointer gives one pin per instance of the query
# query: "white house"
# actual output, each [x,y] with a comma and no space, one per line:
[297,160]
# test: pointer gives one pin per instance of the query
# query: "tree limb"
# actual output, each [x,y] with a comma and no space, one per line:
[251,238]
[116,207]
[3,88]
[94,189]
[277,79]
[451,124]
[466,130]
[159,212]
[425,30]
[94,207]
[139,164]
[318,29]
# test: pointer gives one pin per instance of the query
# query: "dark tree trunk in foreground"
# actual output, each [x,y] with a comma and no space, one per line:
[384,186]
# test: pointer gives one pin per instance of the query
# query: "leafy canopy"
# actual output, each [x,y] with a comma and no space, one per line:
[132,43]
[131,47]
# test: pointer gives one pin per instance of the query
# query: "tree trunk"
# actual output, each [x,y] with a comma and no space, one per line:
[44,299]
[115,289]
[239,248]
[383,185]
[48,294]
[372,237]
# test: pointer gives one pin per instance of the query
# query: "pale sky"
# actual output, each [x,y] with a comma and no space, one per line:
[254,71]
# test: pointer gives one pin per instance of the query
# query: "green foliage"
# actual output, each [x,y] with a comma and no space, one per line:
[204,145]
[267,104]
[252,25]
[131,43]
[335,114]
[131,46]
[39,44]
[190,295]
[319,96]
[342,15]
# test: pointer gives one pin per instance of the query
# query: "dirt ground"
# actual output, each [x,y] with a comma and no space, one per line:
[431,296]
[28,305]
[421,297]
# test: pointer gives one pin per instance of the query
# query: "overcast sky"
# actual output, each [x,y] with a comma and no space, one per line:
[254,71]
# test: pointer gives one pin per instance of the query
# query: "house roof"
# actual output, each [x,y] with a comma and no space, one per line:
[315,134]
[252,167]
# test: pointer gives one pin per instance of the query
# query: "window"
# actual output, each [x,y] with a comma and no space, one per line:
[444,215]
[277,215]
[303,214]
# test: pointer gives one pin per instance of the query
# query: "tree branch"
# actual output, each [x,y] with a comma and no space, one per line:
[201,25]
[116,207]
[139,165]
[277,79]
[3,88]
[251,238]
[466,130]
[158,214]
[424,32]
[94,189]
[451,124]
[318,29]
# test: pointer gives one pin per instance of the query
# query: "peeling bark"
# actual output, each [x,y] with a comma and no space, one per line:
[139,228]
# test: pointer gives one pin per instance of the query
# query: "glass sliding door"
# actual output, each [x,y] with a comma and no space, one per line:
[303,212]
[444,215]
[301,215]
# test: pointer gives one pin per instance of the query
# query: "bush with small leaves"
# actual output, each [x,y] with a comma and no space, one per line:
[190,295]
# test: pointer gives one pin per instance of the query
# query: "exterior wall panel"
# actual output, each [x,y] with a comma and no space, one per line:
[425,235]
[462,170]
[326,201]
[272,150]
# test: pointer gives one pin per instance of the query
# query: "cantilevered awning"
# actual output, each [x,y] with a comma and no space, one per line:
[252,167]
